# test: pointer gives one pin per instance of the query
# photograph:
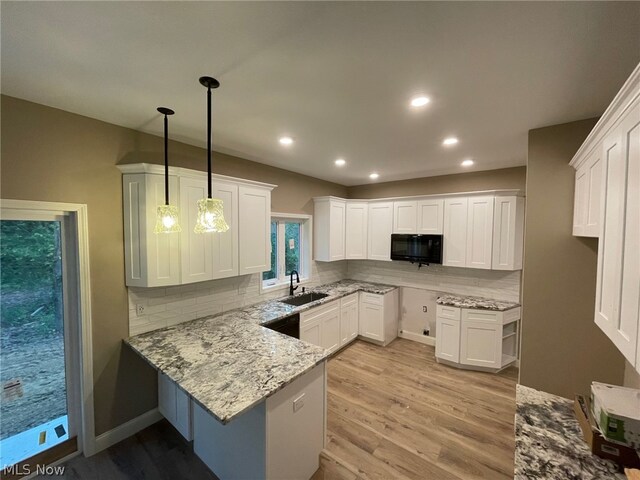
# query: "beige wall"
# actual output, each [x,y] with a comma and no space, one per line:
[631,376]
[562,350]
[52,155]
[505,178]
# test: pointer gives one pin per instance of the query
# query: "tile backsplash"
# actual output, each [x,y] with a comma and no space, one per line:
[496,284]
[166,306]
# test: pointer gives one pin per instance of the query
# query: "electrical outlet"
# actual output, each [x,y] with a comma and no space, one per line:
[424,308]
[139,309]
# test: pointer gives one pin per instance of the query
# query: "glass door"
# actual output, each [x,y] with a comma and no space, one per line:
[35,360]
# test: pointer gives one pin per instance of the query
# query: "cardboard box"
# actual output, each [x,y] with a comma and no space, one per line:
[600,446]
[617,412]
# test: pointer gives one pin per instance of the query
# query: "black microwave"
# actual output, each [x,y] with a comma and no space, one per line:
[416,248]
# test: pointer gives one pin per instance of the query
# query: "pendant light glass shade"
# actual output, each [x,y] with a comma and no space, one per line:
[210,210]
[210,216]
[167,219]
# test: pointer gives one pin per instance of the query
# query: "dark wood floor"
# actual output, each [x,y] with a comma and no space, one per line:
[157,452]
[395,413]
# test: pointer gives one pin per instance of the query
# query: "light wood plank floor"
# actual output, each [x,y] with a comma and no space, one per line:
[394,413]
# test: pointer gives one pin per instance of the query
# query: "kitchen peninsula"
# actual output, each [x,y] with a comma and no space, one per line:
[252,400]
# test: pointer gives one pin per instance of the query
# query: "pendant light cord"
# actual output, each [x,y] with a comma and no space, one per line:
[166,160]
[209,140]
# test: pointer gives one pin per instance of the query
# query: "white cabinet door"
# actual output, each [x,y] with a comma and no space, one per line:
[348,319]
[580,201]
[254,229]
[356,231]
[151,260]
[404,216]
[618,277]
[310,332]
[430,216]
[587,196]
[481,344]
[175,405]
[372,321]
[448,339]
[455,232]
[479,232]
[508,227]
[329,218]
[225,245]
[380,228]
[337,230]
[197,248]
[330,330]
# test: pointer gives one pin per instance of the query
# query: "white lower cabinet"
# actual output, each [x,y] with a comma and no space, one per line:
[321,326]
[175,406]
[280,438]
[349,312]
[476,339]
[379,316]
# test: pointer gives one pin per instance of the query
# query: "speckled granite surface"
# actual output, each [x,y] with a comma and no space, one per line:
[229,362]
[549,442]
[475,302]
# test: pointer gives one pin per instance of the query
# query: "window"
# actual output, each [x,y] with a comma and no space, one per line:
[290,249]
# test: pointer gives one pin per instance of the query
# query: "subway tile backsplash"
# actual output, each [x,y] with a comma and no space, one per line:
[168,306]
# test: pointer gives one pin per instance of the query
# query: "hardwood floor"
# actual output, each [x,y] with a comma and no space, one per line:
[157,452]
[394,413]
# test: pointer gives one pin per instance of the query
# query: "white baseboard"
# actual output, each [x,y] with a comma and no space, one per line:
[416,337]
[133,426]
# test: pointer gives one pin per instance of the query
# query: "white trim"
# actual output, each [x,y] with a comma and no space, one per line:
[614,111]
[495,193]
[86,432]
[127,429]
[416,337]
[135,168]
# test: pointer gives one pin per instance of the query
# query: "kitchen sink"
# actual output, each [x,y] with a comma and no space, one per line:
[304,298]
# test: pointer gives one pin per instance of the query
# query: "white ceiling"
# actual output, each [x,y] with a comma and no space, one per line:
[337,77]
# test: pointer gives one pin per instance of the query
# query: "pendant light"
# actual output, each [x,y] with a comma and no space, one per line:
[210,210]
[167,215]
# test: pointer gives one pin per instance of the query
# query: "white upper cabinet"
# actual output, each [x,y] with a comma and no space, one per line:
[151,260]
[508,230]
[479,232]
[423,216]
[430,216]
[380,228]
[455,232]
[196,251]
[154,260]
[587,196]
[254,229]
[329,229]
[613,149]
[356,230]
[225,245]
[405,216]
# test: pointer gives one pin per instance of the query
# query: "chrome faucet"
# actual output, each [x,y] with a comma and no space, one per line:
[291,287]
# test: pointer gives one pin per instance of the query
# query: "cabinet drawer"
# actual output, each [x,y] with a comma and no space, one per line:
[314,313]
[471,315]
[372,298]
[349,300]
[444,311]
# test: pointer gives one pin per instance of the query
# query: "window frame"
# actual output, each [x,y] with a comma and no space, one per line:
[281,282]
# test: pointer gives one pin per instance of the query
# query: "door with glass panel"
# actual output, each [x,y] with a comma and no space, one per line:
[37,283]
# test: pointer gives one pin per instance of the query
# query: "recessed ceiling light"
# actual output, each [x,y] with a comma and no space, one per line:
[373,176]
[340,162]
[467,163]
[286,140]
[450,141]
[420,101]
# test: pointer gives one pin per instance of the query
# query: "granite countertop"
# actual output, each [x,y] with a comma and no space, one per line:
[479,303]
[549,442]
[229,362]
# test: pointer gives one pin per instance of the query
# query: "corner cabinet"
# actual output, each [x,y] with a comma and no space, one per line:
[155,260]
[613,147]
